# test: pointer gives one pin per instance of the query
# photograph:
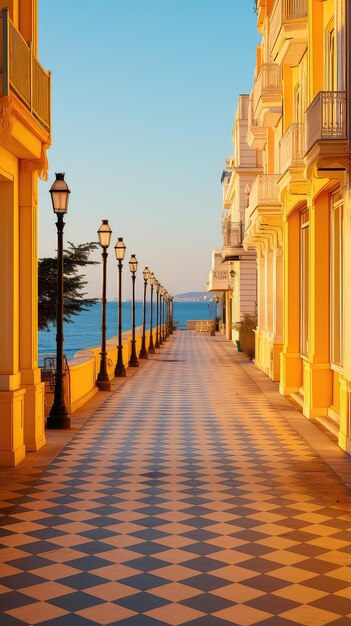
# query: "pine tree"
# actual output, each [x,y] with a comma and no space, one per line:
[75,300]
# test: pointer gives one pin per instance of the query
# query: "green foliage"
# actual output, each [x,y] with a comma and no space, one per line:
[246,329]
[75,257]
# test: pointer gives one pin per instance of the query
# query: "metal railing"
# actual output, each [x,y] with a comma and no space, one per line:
[232,235]
[23,74]
[41,92]
[268,82]
[285,11]
[217,260]
[292,147]
[264,191]
[326,117]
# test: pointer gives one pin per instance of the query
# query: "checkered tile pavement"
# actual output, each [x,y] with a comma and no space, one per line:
[185,499]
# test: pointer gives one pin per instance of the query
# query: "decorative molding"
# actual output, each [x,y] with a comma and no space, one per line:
[29,165]
[6,119]
[41,165]
[43,169]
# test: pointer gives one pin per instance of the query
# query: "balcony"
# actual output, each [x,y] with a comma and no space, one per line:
[260,9]
[22,74]
[218,280]
[288,31]
[264,196]
[232,240]
[267,95]
[256,135]
[326,122]
[292,148]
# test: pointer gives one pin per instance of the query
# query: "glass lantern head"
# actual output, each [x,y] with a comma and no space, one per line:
[60,194]
[120,249]
[104,233]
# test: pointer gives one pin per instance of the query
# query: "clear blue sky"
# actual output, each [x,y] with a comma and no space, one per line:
[144,96]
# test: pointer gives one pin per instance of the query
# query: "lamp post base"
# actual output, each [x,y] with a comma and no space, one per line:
[143,354]
[103,384]
[133,362]
[58,418]
[120,370]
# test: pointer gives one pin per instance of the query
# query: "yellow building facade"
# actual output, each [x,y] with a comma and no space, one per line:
[298,214]
[24,139]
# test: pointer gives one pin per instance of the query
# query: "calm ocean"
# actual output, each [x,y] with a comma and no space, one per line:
[85,330]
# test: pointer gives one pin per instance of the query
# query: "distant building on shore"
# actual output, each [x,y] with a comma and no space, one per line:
[194,296]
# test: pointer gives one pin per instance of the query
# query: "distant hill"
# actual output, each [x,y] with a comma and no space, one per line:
[194,296]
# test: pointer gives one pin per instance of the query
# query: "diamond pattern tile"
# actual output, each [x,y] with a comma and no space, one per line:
[186,498]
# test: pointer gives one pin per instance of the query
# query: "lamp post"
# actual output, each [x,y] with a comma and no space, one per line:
[120,250]
[157,287]
[167,315]
[163,314]
[104,232]
[216,300]
[160,337]
[151,338]
[171,315]
[133,266]
[58,417]
[143,351]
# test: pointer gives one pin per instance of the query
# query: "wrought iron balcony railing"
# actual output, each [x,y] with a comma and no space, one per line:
[268,83]
[264,192]
[284,12]
[232,235]
[22,73]
[292,147]
[326,118]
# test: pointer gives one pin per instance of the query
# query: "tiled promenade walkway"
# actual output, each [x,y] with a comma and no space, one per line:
[186,499]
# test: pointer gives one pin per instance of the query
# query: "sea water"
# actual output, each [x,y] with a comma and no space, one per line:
[84,330]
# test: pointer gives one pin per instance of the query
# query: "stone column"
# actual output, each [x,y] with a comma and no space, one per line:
[317,375]
[34,434]
[260,306]
[290,361]
[277,305]
[12,448]
[345,391]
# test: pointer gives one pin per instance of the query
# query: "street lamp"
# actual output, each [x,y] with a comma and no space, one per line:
[133,266]
[152,281]
[171,314]
[167,314]
[216,300]
[157,287]
[143,352]
[58,417]
[160,332]
[163,295]
[104,232]
[120,250]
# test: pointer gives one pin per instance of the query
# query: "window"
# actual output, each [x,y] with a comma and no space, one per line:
[304,281]
[336,279]
[329,51]
[297,116]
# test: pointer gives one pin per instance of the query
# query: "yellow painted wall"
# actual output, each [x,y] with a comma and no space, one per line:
[80,384]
